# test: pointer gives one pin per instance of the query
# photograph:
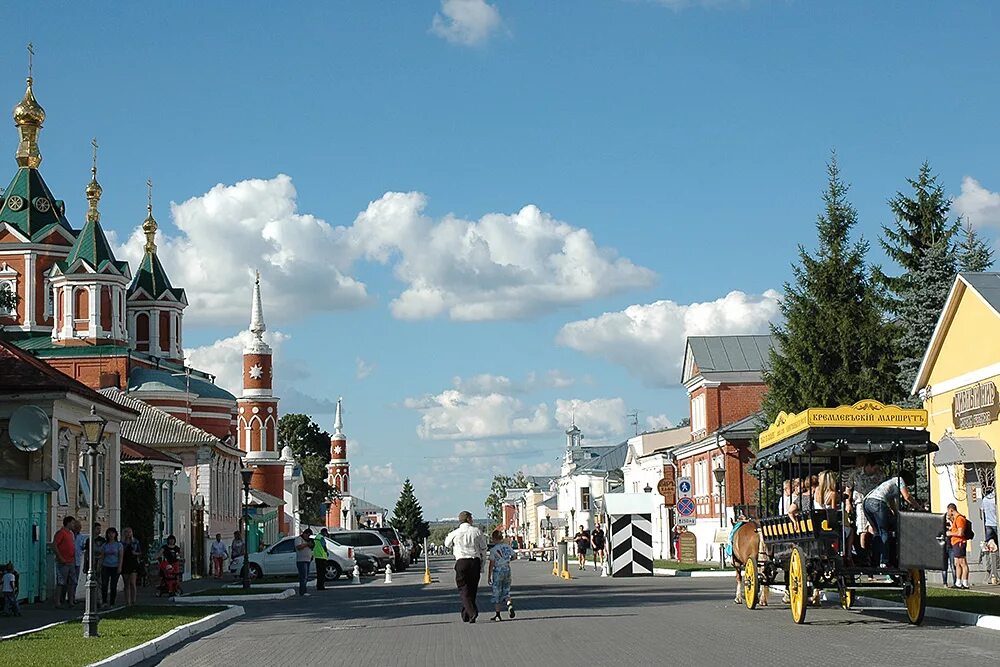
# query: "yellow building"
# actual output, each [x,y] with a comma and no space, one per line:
[957,381]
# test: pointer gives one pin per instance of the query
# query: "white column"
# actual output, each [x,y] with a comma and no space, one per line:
[172,349]
[154,331]
[95,309]
[69,316]
[30,286]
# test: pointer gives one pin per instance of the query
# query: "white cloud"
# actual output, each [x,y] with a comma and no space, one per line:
[466,22]
[374,474]
[499,267]
[454,415]
[484,383]
[978,205]
[648,340]
[362,369]
[224,358]
[232,230]
[598,418]
[658,422]
[559,380]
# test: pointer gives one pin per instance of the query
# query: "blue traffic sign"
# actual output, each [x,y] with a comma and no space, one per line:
[684,487]
[685,507]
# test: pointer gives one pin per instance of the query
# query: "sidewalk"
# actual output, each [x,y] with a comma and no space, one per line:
[40,614]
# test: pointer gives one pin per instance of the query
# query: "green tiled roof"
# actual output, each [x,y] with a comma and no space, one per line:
[41,345]
[28,186]
[149,379]
[93,247]
[152,279]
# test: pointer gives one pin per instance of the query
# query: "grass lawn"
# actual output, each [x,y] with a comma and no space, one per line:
[253,590]
[65,646]
[690,567]
[949,598]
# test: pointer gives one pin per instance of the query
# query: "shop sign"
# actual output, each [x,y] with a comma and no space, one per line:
[975,406]
[667,487]
[868,413]
[689,547]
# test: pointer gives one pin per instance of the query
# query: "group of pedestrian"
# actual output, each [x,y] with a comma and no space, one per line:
[309,548]
[116,559]
[470,549]
[593,542]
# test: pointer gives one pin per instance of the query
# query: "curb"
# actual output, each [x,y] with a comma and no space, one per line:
[863,604]
[207,599]
[137,654]
[665,572]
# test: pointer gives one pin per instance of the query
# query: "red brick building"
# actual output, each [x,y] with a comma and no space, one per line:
[723,378]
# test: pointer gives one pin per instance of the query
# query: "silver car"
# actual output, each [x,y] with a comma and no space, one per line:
[367,542]
[279,559]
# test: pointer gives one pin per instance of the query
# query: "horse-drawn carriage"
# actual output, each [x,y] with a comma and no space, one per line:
[811,546]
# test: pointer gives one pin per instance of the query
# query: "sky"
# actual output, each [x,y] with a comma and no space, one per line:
[479,220]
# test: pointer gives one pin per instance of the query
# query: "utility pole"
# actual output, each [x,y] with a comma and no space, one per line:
[634,420]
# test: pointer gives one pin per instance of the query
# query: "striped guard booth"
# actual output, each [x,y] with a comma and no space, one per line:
[631,515]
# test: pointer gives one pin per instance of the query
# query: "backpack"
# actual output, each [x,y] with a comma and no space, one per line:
[968,533]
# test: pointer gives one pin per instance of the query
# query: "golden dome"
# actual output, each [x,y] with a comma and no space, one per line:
[28,111]
[94,189]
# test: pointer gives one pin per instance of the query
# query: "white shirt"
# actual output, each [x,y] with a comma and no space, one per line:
[8,582]
[467,541]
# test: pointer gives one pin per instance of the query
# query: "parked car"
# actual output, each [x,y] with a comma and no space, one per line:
[401,552]
[367,564]
[279,559]
[366,542]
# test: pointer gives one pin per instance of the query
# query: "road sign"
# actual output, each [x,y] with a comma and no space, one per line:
[684,487]
[686,521]
[667,488]
[685,507]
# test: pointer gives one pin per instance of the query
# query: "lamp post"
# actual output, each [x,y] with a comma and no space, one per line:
[343,513]
[552,536]
[93,433]
[246,474]
[720,479]
[648,488]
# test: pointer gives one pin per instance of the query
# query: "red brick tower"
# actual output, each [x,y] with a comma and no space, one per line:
[339,473]
[258,412]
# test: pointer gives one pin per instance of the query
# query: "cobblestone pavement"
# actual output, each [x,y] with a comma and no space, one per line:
[586,621]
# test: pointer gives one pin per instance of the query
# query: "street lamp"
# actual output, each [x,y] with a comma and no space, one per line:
[648,488]
[93,433]
[246,474]
[552,536]
[720,478]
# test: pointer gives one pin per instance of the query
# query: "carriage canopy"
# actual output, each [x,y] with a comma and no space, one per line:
[867,427]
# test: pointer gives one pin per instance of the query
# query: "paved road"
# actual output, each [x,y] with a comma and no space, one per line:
[586,621]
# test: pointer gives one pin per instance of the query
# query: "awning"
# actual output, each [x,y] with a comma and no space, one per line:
[13,484]
[952,450]
[264,499]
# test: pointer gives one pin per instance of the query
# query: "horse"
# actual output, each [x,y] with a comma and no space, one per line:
[746,544]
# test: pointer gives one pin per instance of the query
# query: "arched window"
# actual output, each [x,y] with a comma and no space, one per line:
[81,308]
[164,331]
[142,332]
[9,291]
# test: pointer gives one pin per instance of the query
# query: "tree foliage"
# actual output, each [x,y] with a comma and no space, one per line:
[139,500]
[498,491]
[834,347]
[921,221]
[311,446]
[973,253]
[408,515]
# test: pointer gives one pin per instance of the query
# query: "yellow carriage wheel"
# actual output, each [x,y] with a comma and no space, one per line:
[797,585]
[751,584]
[915,597]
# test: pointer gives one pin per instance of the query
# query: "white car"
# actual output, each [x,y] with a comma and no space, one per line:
[279,559]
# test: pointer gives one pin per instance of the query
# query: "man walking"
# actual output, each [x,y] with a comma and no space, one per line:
[64,546]
[468,545]
[959,533]
[319,553]
[597,542]
[303,555]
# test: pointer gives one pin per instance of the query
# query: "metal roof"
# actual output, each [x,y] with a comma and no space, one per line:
[988,286]
[729,354]
[156,427]
[613,459]
[152,379]
[743,428]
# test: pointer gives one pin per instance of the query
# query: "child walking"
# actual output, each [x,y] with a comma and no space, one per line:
[9,588]
[499,574]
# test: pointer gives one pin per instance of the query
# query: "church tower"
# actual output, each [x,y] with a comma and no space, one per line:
[339,473]
[258,412]
[155,307]
[89,285]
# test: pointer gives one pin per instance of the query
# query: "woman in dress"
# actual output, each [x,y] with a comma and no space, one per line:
[498,575]
[131,564]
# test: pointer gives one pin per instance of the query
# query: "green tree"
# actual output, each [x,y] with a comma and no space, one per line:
[973,253]
[311,446]
[498,491]
[922,300]
[408,515]
[139,501]
[834,347]
[921,221]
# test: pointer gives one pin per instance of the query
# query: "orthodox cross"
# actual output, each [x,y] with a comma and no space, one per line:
[31,54]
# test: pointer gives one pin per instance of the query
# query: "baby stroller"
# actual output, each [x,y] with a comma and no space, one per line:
[170,578]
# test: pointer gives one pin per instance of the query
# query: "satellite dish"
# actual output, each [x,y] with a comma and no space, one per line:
[29,428]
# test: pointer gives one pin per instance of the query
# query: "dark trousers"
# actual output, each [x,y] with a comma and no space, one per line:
[109,584]
[467,572]
[881,518]
[321,574]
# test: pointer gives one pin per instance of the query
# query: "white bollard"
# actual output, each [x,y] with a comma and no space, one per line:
[357,574]
[604,569]
[388,574]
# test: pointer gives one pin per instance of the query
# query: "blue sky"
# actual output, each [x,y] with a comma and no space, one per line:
[671,153]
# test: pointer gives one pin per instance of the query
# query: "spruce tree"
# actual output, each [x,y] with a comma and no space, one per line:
[921,221]
[923,295]
[973,254]
[408,515]
[834,347]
